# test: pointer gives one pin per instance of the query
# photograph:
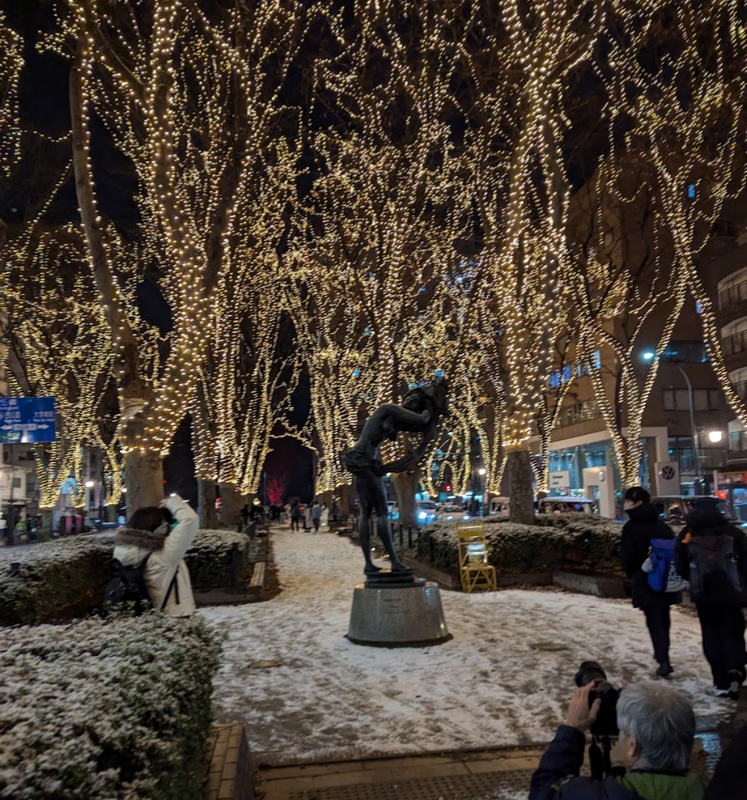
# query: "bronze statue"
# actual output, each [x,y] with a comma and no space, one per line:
[421,410]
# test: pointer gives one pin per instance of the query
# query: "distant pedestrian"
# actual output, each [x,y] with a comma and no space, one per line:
[295,515]
[644,526]
[316,515]
[712,555]
[335,511]
[324,519]
[307,519]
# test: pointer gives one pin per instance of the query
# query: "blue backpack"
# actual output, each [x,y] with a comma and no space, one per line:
[664,577]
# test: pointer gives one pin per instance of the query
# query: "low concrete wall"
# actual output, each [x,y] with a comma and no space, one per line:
[597,585]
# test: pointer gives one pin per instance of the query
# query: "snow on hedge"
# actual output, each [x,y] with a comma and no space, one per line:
[106,709]
[562,541]
[66,578]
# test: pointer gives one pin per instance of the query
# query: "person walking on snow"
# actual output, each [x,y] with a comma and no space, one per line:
[643,526]
[712,555]
[316,515]
[295,515]
[307,519]
[148,533]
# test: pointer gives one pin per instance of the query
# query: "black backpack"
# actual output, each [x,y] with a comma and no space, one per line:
[128,587]
[713,569]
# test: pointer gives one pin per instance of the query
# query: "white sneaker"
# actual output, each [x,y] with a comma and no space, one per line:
[720,692]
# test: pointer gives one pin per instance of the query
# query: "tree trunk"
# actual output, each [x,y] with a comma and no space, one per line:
[111,512]
[143,478]
[406,484]
[231,504]
[520,479]
[346,495]
[326,497]
[47,524]
[207,510]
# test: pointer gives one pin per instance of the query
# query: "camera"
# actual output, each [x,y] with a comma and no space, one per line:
[606,721]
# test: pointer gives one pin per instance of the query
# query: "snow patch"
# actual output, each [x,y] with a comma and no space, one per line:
[504,679]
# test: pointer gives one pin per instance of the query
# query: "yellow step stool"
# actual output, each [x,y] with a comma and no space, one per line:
[474,569]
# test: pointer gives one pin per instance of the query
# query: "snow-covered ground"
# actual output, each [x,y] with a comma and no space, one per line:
[504,679]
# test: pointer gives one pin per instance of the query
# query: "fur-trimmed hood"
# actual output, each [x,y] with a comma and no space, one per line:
[144,540]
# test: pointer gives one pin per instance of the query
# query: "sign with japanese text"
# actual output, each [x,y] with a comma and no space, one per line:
[27,420]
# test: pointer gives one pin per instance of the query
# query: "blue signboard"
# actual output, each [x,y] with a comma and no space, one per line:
[27,419]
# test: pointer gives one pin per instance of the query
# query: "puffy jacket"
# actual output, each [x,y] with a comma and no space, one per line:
[556,778]
[729,780]
[710,523]
[166,556]
[643,526]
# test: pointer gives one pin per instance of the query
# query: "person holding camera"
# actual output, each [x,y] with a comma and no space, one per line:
[712,554]
[642,527]
[657,729]
[148,533]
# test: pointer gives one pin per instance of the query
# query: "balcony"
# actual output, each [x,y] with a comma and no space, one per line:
[732,301]
[740,387]
[736,343]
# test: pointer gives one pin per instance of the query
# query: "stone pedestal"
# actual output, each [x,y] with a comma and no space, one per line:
[392,610]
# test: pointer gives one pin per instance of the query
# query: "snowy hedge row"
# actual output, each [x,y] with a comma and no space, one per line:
[106,709]
[66,578]
[565,541]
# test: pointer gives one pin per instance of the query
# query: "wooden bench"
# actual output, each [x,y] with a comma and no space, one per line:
[258,574]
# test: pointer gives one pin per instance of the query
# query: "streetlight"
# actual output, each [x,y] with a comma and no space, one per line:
[649,355]
[715,436]
[124,490]
[481,471]
[89,484]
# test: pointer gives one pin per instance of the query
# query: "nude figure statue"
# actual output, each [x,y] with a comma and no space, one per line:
[420,412]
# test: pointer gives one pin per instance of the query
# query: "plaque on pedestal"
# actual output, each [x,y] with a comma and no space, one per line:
[397,610]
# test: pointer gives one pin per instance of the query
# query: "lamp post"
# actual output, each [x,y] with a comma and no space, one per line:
[482,472]
[697,484]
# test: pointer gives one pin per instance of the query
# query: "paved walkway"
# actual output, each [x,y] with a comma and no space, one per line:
[489,775]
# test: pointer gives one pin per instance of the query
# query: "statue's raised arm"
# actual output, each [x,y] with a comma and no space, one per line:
[420,412]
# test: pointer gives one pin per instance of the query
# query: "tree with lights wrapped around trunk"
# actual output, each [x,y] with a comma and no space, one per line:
[179,98]
[58,346]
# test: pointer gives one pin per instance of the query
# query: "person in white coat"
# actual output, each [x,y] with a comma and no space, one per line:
[148,533]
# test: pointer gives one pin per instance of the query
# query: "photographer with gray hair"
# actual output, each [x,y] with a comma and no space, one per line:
[657,729]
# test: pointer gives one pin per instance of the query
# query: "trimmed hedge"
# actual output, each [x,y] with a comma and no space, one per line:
[574,542]
[102,710]
[64,579]
[210,558]
[55,580]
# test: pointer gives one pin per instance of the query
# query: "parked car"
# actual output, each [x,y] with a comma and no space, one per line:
[568,505]
[674,508]
[426,512]
[499,506]
[452,511]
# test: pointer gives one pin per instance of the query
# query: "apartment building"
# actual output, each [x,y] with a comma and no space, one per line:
[688,431]
[17,474]
[725,272]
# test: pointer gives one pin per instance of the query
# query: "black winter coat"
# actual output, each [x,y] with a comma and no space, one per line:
[556,778]
[711,522]
[643,526]
[729,780]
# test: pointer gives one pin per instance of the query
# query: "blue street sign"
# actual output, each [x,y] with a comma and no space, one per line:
[27,419]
